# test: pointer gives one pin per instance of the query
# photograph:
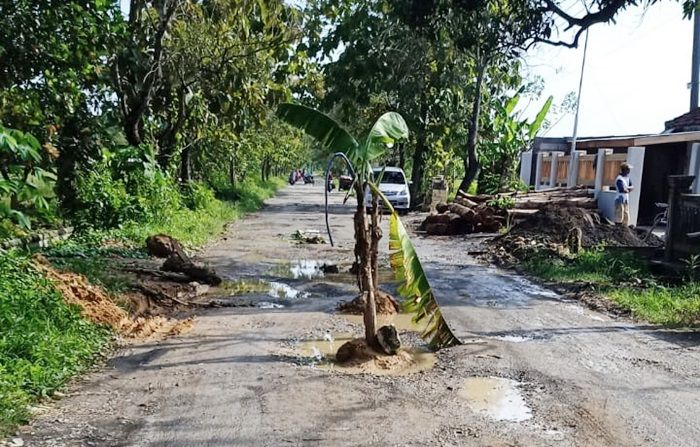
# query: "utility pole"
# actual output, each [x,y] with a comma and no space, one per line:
[578,99]
[695,73]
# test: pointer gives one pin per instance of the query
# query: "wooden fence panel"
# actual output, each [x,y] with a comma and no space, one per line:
[546,169]
[563,170]
[586,170]
[611,168]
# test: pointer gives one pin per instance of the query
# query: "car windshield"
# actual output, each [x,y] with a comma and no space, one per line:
[392,177]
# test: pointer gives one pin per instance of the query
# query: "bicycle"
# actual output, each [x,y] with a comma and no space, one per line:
[660,219]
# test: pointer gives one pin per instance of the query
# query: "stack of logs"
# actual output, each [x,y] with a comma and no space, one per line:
[485,213]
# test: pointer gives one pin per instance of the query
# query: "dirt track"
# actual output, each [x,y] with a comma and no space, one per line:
[236,379]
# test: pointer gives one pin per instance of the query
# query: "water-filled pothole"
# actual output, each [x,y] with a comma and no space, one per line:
[321,352]
[302,269]
[496,397]
[272,289]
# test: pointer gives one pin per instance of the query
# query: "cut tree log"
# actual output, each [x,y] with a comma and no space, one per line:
[197,272]
[462,211]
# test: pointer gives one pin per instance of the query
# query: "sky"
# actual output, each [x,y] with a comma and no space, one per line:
[636,77]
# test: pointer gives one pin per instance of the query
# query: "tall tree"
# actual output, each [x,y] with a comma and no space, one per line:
[53,74]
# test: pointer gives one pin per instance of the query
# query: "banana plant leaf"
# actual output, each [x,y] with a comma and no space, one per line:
[318,125]
[415,288]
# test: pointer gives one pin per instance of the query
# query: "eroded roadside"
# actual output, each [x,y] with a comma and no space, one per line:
[240,377]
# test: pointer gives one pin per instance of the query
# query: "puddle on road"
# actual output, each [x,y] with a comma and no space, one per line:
[402,322]
[496,397]
[301,269]
[272,289]
[321,353]
[513,338]
[268,305]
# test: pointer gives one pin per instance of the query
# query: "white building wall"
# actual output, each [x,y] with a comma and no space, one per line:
[635,157]
[526,167]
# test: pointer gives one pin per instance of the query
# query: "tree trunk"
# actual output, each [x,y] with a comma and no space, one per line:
[376,236]
[418,170]
[232,172]
[471,161]
[185,171]
[363,255]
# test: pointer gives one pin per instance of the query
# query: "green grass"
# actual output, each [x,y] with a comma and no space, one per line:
[671,306]
[195,227]
[626,280]
[43,341]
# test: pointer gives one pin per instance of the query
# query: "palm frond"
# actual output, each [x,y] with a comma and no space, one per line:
[318,125]
[414,287]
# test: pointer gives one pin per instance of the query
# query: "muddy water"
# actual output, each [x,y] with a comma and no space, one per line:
[300,269]
[322,353]
[496,397]
[272,289]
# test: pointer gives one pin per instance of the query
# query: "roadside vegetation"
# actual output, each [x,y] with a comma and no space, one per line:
[625,279]
[43,341]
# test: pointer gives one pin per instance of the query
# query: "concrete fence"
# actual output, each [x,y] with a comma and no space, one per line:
[595,171]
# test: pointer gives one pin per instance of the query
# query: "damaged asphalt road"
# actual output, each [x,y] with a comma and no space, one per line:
[534,369]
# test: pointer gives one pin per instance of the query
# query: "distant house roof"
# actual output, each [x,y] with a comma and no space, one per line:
[688,122]
[638,140]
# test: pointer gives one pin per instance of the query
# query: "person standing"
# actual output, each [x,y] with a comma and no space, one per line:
[622,201]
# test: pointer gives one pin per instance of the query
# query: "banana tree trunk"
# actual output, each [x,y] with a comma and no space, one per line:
[363,254]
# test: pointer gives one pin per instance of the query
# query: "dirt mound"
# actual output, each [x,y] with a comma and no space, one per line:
[553,226]
[553,223]
[357,354]
[385,303]
[99,308]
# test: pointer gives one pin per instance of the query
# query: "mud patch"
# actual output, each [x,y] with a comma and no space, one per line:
[385,304]
[498,398]
[322,353]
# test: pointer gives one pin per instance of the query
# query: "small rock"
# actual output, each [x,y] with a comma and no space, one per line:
[162,245]
[199,289]
[16,442]
[388,338]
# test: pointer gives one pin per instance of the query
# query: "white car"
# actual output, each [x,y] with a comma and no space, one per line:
[394,186]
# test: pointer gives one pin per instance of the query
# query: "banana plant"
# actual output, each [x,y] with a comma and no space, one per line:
[414,288]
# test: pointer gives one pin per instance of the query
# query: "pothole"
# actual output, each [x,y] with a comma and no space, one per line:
[496,397]
[513,338]
[273,289]
[321,353]
[303,269]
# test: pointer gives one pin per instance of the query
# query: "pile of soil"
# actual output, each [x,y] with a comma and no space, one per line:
[357,354]
[385,303]
[99,308]
[552,227]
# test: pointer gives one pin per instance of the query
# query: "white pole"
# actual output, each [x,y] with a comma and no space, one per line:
[578,100]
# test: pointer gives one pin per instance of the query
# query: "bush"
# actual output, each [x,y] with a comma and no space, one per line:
[115,191]
[44,341]
[198,196]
